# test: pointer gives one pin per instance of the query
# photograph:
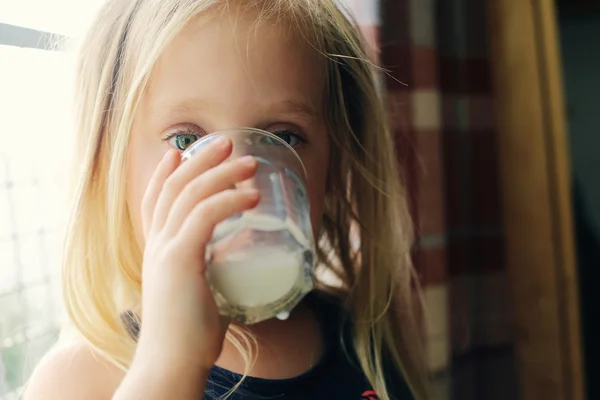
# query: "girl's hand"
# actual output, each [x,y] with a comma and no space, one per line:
[181,324]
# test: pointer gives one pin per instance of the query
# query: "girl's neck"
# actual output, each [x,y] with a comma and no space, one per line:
[285,349]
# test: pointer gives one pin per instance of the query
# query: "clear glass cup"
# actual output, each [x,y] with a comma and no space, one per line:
[260,262]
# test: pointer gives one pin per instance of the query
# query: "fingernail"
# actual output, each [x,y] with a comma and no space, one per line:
[250,192]
[247,161]
[219,141]
[168,155]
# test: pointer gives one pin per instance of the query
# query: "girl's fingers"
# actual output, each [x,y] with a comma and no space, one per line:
[165,168]
[212,155]
[213,181]
[198,227]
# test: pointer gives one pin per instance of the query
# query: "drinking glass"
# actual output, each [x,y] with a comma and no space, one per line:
[260,262]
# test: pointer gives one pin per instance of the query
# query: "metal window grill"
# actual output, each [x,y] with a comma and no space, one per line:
[34,143]
[29,254]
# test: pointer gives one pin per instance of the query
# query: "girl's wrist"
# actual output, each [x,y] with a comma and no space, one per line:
[170,375]
[153,380]
[177,359]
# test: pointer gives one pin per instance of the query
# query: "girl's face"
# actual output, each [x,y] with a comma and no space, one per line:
[225,72]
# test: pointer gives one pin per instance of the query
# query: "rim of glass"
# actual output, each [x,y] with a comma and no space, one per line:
[257,131]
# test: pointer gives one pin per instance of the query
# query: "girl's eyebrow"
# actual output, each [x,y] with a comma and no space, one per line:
[300,109]
[306,110]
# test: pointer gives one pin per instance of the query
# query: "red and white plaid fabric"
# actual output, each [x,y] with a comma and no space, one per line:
[441,109]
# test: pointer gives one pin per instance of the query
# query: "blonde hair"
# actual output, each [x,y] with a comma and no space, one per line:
[102,270]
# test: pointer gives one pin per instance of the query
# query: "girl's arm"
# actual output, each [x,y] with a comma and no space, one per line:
[75,373]
[182,332]
[160,383]
[152,377]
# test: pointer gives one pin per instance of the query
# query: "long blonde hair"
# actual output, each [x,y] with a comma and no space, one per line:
[102,270]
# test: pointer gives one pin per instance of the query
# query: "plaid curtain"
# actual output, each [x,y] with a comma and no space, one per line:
[439,92]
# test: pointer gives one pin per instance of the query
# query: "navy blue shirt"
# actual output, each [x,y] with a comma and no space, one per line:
[336,376]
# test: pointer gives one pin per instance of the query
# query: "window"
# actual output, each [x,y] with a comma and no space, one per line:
[35,137]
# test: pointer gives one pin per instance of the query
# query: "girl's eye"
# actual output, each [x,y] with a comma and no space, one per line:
[289,137]
[182,141]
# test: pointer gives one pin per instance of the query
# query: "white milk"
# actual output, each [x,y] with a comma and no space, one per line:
[261,275]
[260,222]
[258,279]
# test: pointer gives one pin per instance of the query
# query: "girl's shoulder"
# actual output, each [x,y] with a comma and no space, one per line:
[73,371]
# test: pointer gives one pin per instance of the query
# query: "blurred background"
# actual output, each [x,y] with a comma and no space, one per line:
[496,110]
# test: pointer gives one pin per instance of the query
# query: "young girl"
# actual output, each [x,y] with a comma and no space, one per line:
[153,77]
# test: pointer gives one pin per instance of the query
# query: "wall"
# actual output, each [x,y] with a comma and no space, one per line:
[581,64]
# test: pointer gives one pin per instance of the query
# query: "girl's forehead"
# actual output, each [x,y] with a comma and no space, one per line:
[226,60]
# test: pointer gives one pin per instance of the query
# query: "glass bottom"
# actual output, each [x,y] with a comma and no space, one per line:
[255,289]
